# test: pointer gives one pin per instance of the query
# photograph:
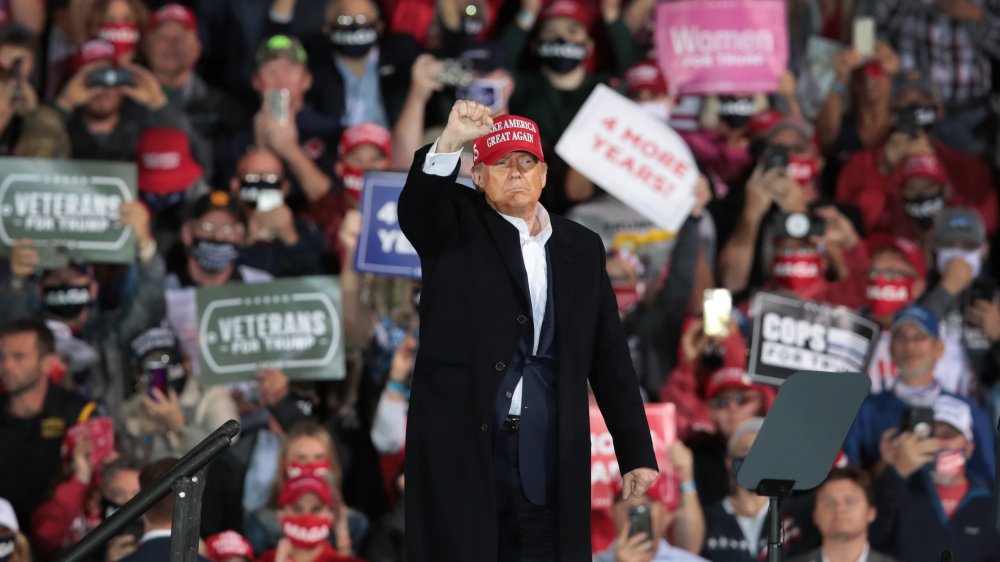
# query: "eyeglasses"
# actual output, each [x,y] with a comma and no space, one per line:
[261,177]
[891,274]
[225,230]
[739,399]
[346,20]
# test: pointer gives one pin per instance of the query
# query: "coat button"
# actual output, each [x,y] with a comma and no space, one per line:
[485,427]
[521,319]
[510,394]
[499,366]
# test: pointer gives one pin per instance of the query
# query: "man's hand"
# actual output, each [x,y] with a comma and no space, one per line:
[467,122]
[758,198]
[693,341]
[787,193]
[24,260]
[611,10]
[839,230]
[273,386]
[957,276]
[787,85]
[282,139]
[165,409]
[986,316]
[76,92]
[844,62]
[350,231]
[908,453]
[83,467]
[25,101]
[422,82]
[897,146]
[119,547]
[278,223]
[637,548]
[147,90]
[136,216]
[636,482]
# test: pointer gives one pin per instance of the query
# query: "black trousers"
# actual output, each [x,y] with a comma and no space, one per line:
[527,532]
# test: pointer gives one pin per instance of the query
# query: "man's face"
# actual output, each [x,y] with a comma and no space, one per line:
[794,142]
[842,511]
[914,352]
[563,28]
[121,487]
[366,157]
[733,406]
[216,225]
[258,164]
[284,74]
[919,187]
[172,48]
[67,276]
[357,10]
[951,439]
[21,365]
[513,183]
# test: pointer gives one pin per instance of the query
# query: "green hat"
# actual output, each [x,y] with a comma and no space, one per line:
[281,46]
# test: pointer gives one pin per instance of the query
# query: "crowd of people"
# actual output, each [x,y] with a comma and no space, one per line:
[251,124]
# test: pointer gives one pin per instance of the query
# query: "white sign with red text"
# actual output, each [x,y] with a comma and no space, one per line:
[636,158]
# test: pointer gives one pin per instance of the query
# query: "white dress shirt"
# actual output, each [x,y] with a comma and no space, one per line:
[532,252]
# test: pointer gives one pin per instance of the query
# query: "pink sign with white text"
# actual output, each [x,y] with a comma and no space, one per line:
[722,46]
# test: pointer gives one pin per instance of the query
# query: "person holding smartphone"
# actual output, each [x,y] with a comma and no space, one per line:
[17,97]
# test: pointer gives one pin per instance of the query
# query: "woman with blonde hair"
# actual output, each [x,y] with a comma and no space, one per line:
[120,22]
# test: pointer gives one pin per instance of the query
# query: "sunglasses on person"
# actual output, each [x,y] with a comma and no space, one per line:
[722,402]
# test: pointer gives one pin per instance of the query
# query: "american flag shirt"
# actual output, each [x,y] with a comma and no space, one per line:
[956,53]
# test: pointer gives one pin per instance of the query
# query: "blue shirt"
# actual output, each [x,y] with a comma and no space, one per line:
[260,473]
[664,553]
[362,94]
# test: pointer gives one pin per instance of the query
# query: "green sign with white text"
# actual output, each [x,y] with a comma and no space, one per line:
[293,325]
[67,208]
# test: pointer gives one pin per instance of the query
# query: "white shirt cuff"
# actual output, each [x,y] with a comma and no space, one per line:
[441,164]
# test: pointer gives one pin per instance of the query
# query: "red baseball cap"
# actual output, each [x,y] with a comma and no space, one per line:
[297,487]
[510,133]
[727,377]
[163,157]
[646,75]
[366,133]
[228,544]
[568,9]
[93,51]
[173,12]
[910,250]
[923,166]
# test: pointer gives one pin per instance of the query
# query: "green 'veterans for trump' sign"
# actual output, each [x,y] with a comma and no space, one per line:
[69,209]
[293,325]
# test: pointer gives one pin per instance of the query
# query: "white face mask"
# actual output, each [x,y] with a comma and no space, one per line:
[972,257]
[658,109]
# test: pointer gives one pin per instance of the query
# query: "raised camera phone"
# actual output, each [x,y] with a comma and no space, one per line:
[919,420]
[775,156]
[15,74]
[984,290]
[276,103]
[717,310]
[800,225]
[110,77]
[639,521]
[455,73]
[269,200]
[155,376]
[905,121]
[864,37]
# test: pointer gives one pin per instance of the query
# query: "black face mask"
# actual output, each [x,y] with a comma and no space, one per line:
[925,116]
[66,301]
[213,256]
[923,210]
[353,41]
[160,203]
[562,56]
[735,112]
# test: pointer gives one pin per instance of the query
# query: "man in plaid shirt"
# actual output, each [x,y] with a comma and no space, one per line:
[955,41]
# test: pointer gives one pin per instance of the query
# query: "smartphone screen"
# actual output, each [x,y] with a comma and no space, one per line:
[639,521]
[155,374]
[717,309]
[277,104]
[864,37]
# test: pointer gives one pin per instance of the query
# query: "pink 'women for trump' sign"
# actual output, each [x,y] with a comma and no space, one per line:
[722,46]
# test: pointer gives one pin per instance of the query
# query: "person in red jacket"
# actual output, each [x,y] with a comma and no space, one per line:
[866,178]
[306,510]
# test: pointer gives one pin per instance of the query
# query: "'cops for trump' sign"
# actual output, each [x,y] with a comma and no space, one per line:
[293,325]
[67,208]
[792,335]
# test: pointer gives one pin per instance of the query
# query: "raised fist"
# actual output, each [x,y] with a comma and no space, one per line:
[467,122]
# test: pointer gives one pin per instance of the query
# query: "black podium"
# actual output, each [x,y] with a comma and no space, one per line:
[800,439]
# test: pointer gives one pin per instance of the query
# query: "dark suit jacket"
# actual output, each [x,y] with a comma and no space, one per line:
[472,306]
[154,550]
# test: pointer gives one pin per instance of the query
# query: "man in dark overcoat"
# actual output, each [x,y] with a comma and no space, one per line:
[517,316]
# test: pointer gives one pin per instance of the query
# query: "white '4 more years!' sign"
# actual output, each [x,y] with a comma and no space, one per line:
[636,158]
